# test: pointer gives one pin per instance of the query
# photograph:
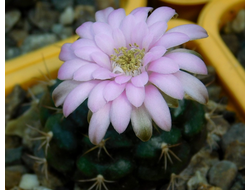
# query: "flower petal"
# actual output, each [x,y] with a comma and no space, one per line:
[68,68]
[99,124]
[127,26]
[193,31]
[101,59]
[169,84]
[138,33]
[157,108]
[84,73]
[78,95]
[153,54]
[83,43]
[122,79]
[141,13]
[119,38]
[102,28]
[141,123]
[169,40]
[135,95]
[102,15]
[96,99]
[66,52]
[85,30]
[188,62]
[140,80]
[193,87]
[163,65]
[161,14]
[113,90]
[157,29]
[102,74]
[115,17]
[62,90]
[85,52]
[105,43]
[120,113]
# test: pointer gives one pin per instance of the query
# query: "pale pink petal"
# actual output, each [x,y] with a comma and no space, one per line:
[119,38]
[161,14]
[84,73]
[102,28]
[77,96]
[138,33]
[141,123]
[147,40]
[157,30]
[141,13]
[188,62]
[135,94]
[115,17]
[127,26]
[102,74]
[68,68]
[113,90]
[102,15]
[147,58]
[169,40]
[157,108]
[96,99]
[85,52]
[140,80]
[153,54]
[193,31]
[99,124]
[169,84]
[101,59]
[122,79]
[105,43]
[85,30]
[66,52]
[120,113]
[62,90]
[163,65]
[193,87]
[83,43]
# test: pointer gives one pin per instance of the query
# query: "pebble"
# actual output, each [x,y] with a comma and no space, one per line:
[60,5]
[29,181]
[238,24]
[43,16]
[83,13]
[19,35]
[195,181]
[218,171]
[35,41]
[12,141]
[11,18]
[233,145]
[241,57]
[41,188]
[12,52]
[13,175]
[13,156]
[13,101]
[67,17]
[100,4]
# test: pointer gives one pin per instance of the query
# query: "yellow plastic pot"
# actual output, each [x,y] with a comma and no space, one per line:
[230,73]
[26,69]
[186,9]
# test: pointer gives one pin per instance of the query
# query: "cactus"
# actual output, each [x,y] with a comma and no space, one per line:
[120,161]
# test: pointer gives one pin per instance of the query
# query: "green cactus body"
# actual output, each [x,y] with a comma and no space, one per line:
[122,161]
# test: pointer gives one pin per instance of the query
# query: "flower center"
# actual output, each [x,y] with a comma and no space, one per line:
[128,61]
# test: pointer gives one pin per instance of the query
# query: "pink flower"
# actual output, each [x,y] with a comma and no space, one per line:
[123,65]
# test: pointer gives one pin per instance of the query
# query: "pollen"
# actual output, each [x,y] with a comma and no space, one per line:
[128,60]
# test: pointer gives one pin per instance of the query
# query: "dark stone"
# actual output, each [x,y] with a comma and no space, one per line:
[232,42]
[60,5]
[13,156]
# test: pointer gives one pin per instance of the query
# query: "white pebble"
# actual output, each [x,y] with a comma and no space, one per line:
[41,188]
[28,181]
[67,17]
